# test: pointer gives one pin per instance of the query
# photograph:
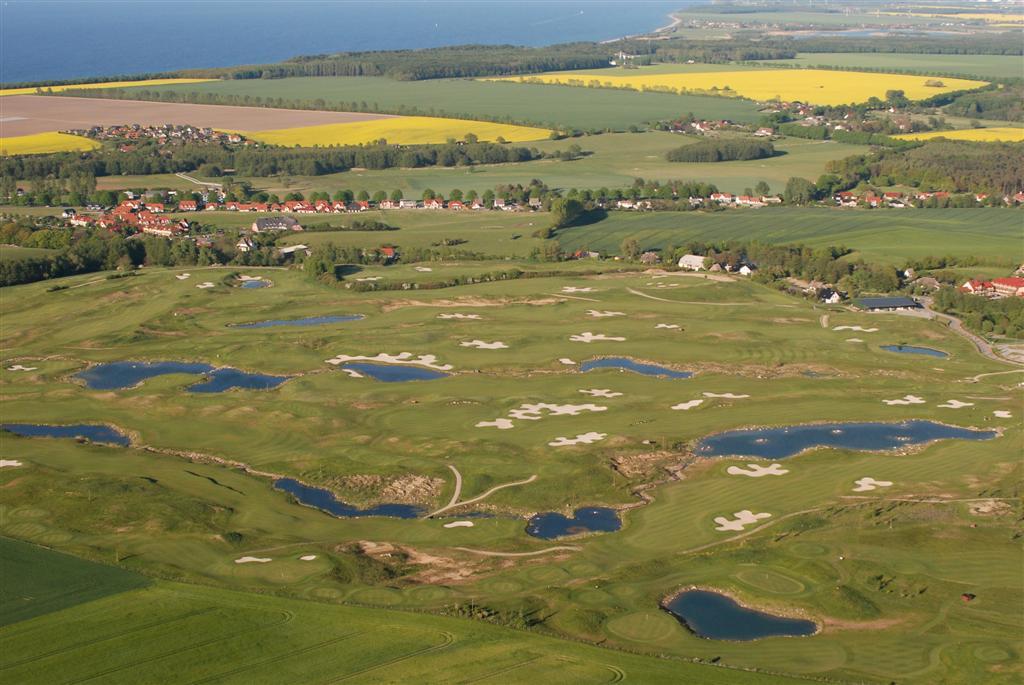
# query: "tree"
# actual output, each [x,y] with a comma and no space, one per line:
[630,248]
[380,196]
[396,195]
[471,138]
[363,196]
[762,188]
[428,194]
[564,211]
[799,191]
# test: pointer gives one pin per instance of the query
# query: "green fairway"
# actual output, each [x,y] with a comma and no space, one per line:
[539,105]
[887,236]
[13,252]
[35,581]
[967,66]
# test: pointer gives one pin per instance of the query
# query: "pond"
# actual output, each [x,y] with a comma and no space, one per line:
[327,502]
[101,434]
[584,520]
[716,617]
[259,283]
[396,373]
[120,375]
[779,443]
[911,349]
[636,367]
[308,321]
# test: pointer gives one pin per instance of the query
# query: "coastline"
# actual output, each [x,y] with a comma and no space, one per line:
[656,34]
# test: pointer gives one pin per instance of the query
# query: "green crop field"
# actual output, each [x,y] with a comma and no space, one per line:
[889,236]
[12,252]
[980,66]
[191,499]
[543,105]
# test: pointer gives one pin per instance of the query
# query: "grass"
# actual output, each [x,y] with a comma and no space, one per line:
[821,87]
[13,252]
[971,66]
[397,130]
[43,143]
[39,581]
[148,83]
[1009,134]
[548,107]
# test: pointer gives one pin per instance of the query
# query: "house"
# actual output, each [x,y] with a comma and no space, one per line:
[1009,287]
[692,262]
[927,282]
[625,204]
[499,203]
[456,206]
[358,206]
[292,249]
[389,204]
[874,304]
[156,207]
[433,203]
[649,258]
[830,296]
[275,223]
[81,220]
[764,133]
[749,201]
[244,244]
[723,198]
[67,213]
[407,204]
[846,199]
[536,203]
[976,287]
[747,270]
[188,206]
[477,205]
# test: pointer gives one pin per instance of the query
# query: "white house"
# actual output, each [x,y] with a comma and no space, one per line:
[693,262]
[746,270]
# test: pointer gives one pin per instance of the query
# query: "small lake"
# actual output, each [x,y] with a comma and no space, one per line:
[326,501]
[911,349]
[100,434]
[255,284]
[779,443]
[636,367]
[121,375]
[308,321]
[394,373]
[716,617]
[584,520]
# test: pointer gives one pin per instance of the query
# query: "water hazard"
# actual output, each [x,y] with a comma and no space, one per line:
[584,520]
[101,434]
[308,321]
[636,367]
[911,349]
[121,375]
[717,617]
[394,373]
[326,501]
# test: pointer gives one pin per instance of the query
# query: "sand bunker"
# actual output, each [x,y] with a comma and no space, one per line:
[588,337]
[427,360]
[9,463]
[726,395]
[601,392]
[670,326]
[500,424]
[353,373]
[307,557]
[757,471]
[1002,414]
[535,412]
[865,484]
[955,404]
[684,406]
[207,284]
[459,524]
[854,340]
[182,277]
[601,315]
[249,278]
[574,289]
[743,519]
[859,329]
[907,399]
[566,361]
[481,345]
[19,367]
[460,316]
[370,278]
[252,560]
[581,439]
[423,269]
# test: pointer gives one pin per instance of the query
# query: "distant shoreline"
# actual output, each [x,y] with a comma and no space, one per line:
[655,34]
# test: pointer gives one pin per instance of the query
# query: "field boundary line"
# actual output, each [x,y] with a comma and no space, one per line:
[448,640]
[502,671]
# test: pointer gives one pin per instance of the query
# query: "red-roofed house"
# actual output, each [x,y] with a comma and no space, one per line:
[188,206]
[975,286]
[433,203]
[455,205]
[1010,287]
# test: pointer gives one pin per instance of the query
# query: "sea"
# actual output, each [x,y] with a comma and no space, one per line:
[67,39]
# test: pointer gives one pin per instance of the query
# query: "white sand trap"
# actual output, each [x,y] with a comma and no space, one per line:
[907,399]
[743,519]
[249,278]
[182,277]
[601,392]
[19,367]
[9,463]
[481,345]
[588,337]
[684,406]
[532,412]
[581,439]
[207,284]
[252,560]
[854,340]
[574,289]
[603,314]
[669,326]
[726,395]
[307,557]
[353,373]
[956,404]
[369,278]
[667,285]
[566,361]
[459,524]
[1002,414]
[476,317]
[500,424]
[757,471]
[859,329]
[427,360]
[423,269]
[867,483]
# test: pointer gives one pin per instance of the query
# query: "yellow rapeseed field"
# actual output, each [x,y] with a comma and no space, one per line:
[109,84]
[1002,133]
[41,143]
[815,86]
[397,130]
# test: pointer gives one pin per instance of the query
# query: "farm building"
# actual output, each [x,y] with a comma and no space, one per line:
[873,304]
[693,262]
[275,223]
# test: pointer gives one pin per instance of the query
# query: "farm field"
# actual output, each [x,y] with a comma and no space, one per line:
[15,252]
[888,236]
[547,107]
[1010,134]
[40,143]
[759,357]
[970,66]
[816,86]
[148,83]
[397,130]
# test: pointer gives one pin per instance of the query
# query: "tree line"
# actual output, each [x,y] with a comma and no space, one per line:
[722,150]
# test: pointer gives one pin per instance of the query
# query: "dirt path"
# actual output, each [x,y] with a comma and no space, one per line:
[485,553]
[570,297]
[188,178]
[824,321]
[487,494]
[458,487]
[956,325]
[975,379]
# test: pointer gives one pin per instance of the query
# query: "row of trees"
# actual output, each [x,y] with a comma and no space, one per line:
[999,317]
[722,150]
